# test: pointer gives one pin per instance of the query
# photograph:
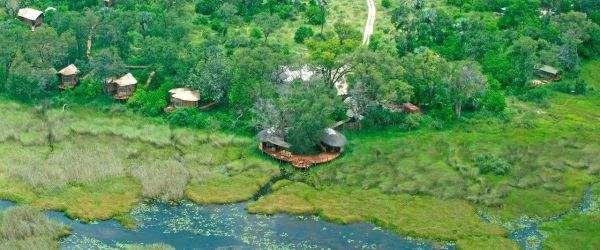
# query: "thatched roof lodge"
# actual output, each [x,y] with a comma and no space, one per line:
[332,141]
[332,145]
[31,17]
[121,88]
[183,97]
[271,141]
[68,77]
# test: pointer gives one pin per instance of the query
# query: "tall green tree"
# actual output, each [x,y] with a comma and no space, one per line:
[331,59]
[467,82]
[212,77]
[268,24]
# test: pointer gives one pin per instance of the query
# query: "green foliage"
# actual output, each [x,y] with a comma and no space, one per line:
[411,122]
[303,33]
[256,33]
[489,164]
[536,95]
[494,101]
[207,7]
[310,113]
[88,88]
[150,102]
[578,86]
[187,117]
[386,3]
[314,15]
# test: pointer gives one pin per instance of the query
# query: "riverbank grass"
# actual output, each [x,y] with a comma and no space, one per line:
[422,217]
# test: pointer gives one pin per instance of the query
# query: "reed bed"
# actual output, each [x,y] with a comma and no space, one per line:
[26,228]
[162,179]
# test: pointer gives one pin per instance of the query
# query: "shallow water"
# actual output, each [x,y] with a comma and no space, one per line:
[526,233]
[191,226]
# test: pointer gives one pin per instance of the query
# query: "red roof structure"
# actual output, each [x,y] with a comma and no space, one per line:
[410,108]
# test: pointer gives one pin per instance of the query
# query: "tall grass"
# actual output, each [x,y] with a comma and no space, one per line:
[164,179]
[78,161]
[26,228]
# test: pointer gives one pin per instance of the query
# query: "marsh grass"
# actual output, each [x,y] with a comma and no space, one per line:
[26,228]
[425,217]
[162,179]
[75,161]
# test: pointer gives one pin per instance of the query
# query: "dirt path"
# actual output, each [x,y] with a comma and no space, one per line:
[369,26]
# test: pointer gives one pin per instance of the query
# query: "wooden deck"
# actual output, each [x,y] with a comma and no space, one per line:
[121,97]
[300,161]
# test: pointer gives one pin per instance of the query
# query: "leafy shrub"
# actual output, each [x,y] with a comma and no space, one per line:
[303,33]
[489,164]
[577,87]
[207,7]
[313,14]
[494,101]
[256,33]
[537,95]
[411,122]
[187,117]
[150,103]
[378,117]
[386,3]
[88,88]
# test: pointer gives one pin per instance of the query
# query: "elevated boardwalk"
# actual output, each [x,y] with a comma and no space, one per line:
[300,161]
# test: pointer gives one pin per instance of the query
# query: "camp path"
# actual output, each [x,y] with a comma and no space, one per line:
[369,26]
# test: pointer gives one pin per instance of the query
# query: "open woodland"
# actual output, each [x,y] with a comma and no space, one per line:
[507,127]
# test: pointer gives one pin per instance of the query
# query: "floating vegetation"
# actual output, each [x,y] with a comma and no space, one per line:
[189,225]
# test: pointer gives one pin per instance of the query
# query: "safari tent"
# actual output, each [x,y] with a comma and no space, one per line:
[184,97]
[121,88]
[31,17]
[68,77]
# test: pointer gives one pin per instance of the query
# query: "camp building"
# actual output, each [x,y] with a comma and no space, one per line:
[121,88]
[548,73]
[68,77]
[184,97]
[332,141]
[270,141]
[31,17]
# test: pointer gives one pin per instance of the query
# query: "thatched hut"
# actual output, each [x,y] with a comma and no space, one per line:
[31,17]
[184,97]
[332,141]
[121,88]
[68,77]
[270,141]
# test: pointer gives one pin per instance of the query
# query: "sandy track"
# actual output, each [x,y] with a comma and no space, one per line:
[369,26]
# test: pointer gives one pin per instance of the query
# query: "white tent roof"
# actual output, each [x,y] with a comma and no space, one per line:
[29,13]
[126,80]
[69,70]
[185,94]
